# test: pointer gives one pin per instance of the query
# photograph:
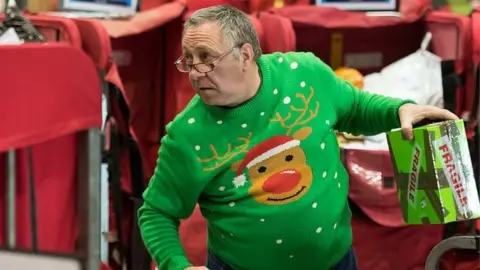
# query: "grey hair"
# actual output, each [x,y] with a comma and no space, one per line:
[236,26]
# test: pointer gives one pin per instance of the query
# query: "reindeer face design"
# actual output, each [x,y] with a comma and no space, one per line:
[277,169]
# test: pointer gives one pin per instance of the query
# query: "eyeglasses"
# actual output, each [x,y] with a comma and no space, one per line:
[184,66]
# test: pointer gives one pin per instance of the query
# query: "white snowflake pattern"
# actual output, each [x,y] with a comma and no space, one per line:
[303,84]
[191,120]
[322,145]
[294,65]
[287,100]
[239,181]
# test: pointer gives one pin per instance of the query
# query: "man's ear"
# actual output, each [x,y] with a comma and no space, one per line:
[247,55]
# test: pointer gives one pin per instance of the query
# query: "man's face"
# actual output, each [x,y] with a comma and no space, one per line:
[225,84]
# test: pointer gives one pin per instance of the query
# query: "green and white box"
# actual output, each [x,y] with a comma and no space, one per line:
[434,174]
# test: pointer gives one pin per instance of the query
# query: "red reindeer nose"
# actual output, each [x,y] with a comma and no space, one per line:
[282,182]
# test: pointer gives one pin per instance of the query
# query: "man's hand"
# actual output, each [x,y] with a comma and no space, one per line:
[410,114]
[196,268]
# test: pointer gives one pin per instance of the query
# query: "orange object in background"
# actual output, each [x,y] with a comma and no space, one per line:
[36,6]
[260,5]
[351,75]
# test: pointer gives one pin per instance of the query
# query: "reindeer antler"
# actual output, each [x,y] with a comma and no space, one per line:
[303,111]
[229,155]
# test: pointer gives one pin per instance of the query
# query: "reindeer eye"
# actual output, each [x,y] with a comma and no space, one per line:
[289,158]
[262,169]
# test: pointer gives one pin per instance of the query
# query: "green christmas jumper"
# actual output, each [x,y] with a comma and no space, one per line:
[267,174]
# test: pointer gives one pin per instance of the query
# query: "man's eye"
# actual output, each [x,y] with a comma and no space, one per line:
[188,59]
[205,56]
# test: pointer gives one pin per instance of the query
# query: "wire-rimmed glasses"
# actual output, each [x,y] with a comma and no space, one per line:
[185,67]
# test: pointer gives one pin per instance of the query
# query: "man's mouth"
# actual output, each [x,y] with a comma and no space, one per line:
[204,88]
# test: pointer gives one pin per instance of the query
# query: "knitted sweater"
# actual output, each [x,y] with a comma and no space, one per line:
[267,174]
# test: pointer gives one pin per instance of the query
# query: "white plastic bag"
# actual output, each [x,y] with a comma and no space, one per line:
[417,76]
[10,37]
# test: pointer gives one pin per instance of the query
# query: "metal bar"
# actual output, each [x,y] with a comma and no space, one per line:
[104,222]
[104,197]
[456,242]
[11,203]
[32,200]
[89,192]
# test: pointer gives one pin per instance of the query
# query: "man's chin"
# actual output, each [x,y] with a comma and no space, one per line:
[214,100]
[208,98]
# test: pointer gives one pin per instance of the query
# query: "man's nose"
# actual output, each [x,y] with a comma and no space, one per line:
[195,75]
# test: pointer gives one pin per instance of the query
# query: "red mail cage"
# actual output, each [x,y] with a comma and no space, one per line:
[50,144]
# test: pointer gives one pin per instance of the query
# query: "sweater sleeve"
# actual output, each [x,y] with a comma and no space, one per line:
[171,195]
[358,112]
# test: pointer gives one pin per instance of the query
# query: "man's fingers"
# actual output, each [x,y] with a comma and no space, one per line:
[407,129]
[418,114]
[437,113]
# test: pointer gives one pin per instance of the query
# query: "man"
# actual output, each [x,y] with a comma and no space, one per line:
[256,148]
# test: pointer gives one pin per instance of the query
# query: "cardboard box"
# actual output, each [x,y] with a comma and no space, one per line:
[434,174]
